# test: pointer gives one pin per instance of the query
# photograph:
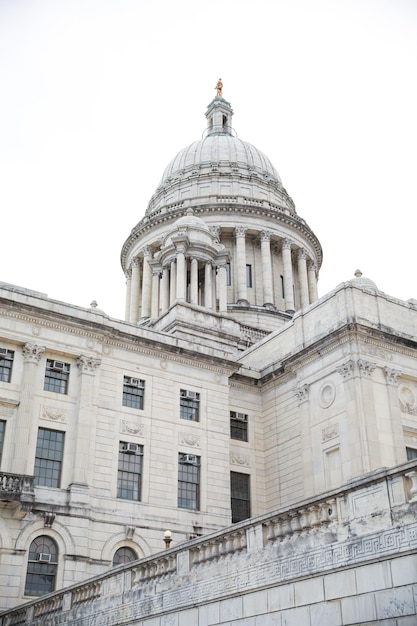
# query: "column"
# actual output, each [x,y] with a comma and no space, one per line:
[173,283]
[312,281]
[208,287]
[268,295]
[146,283]
[288,279]
[181,282]
[128,275]
[222,288]
[302,277]
[165,290]
[85,428]
[156,273]
[194,282]
[134,292]
[240,232]
[27,412]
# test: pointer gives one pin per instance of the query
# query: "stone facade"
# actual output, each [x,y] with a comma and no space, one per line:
[228,393]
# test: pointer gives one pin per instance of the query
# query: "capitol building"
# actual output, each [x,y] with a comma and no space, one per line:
[235,451]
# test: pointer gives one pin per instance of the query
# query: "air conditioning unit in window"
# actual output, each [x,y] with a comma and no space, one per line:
[194,395]
[241,417]
[58,365]
[3,350]
[44,557]
[133,382]
[190,459]
[132,448]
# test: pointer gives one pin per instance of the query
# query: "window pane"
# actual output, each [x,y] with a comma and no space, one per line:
[124,555]
[6,363]
[56,376]
[188,481]
[42,565]
[133,392]
[249,276]
[129,475]
[240,496]
[189,405]
[238,426]
[411,454]
[48,459]
[2,431]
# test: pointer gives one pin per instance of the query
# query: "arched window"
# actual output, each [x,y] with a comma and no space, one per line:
[42,566]
[124,555]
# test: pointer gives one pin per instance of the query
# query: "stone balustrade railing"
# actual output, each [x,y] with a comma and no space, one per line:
[385,495]
[13,486]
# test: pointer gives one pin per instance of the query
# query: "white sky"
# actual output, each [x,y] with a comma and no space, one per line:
[97,96]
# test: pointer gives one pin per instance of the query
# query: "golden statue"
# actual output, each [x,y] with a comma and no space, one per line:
[219,88]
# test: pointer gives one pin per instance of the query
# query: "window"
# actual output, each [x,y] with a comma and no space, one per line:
[6,363]
[189,405]
[248,275]
[411,454]
[42,566]
[188,481]
[133,392]
[48,459]
[2,431]
[124,555]
[129,476]
[228,275]
[240,496]
[238,426]
[56,376]
[282,286]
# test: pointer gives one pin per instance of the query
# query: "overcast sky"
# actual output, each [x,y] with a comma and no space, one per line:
[97,96]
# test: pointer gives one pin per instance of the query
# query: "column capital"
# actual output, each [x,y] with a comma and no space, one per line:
[366,368]
[215,231]
[286,244]
[312,266]
[240,231]
[32,353]
[146,251]
[135,263]
[88,364]
[392,376]
[302,254]
[265,235]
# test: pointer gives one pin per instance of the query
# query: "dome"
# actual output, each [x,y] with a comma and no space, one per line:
[191,221]
[219,150]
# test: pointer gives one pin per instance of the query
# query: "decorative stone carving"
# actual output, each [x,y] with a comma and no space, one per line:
[302,393]
[327,395]
[392,376]
[54,414]
[49,518]
[408,402]
[190,439]
[346,370]
[330,432]
[129,532]
[366,367]
[131,428]
[240,231]
[237,458]
[88,364]
[32,353]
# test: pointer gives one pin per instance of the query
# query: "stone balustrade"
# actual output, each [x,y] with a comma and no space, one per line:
[14,486]
[355,525]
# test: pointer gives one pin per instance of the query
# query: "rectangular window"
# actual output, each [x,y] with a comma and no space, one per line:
[2,431]
[411,454]
[188,481]
[248,275]
[282,286]
[6,363]
[133,392]
[48,459]
[56,376]
[228,275]
[129,475]
[240,496]
[189,405]
[238,426]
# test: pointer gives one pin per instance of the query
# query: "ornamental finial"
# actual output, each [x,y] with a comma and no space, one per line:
[219,88]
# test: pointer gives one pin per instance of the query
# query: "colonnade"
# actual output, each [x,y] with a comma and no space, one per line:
[153,287]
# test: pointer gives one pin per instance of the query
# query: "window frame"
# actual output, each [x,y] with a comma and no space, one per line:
[189,478]
[130,398]
[6,358]
[56,377]
[129,471]
[49,462]
[249,276]
[237,501]
[123,551]
[41,570]
[190,405]
[236,426]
